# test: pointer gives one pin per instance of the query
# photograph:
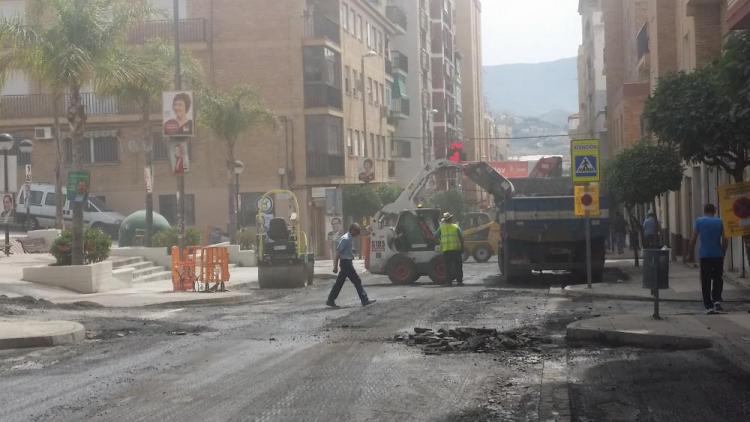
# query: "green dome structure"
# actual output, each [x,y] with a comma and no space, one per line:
[134,225]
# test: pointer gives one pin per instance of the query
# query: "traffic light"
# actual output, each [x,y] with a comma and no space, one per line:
[456,153]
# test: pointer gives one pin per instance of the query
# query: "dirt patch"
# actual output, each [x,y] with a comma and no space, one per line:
[472,340]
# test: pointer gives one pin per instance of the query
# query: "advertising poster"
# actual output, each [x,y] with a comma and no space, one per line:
[9,209]
[734,201]
[178,116]
[179,157]
[366,170]
[512,169]
[79,183]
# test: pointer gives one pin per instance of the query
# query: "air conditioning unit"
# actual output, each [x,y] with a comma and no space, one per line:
[44,132]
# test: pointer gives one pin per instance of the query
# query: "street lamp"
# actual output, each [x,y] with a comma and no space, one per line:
[6,143]
[26,147]
[371,53]
[239,167]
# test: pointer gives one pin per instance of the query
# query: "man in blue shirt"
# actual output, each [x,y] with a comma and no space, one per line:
[651,232]
[713,245]
[344,259]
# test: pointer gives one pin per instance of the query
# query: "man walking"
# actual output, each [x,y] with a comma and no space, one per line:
[344,260]
[651,232]
[713,245]
[452,247]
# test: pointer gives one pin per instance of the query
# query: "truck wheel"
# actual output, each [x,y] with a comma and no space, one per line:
[31,224]
[482,254]
[438,270]
[402,270]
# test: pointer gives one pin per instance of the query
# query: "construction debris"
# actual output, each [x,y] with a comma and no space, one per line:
[469,340]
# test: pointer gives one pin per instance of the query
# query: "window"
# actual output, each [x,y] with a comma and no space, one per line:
[360,33]
[168,208]
[322,75]
[357,143]
[345,16]
[382,94]
[369,91]
[350,142]
[50,199]
[372,144]
[355,85]
[325,146]
[378,152]
[347,80]
[351,21]
[367,34]
[379,42]
[98,147]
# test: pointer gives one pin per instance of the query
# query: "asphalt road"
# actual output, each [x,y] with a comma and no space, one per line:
[284,356]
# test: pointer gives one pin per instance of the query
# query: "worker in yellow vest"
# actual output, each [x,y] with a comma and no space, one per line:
[452,247]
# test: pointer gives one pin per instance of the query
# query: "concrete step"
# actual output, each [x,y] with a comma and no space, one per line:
[140,265]
[158,276]
[147,271]
[125,262]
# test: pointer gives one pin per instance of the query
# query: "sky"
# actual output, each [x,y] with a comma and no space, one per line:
[529,31]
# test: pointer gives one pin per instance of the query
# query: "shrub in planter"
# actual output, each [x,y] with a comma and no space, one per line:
[96,247]
[168,238]
[246,239]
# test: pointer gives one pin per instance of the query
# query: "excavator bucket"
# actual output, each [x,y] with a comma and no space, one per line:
[490,180]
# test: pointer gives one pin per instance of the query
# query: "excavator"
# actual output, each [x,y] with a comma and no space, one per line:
[402,245]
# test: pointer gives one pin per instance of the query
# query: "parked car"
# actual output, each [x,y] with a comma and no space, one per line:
[42,203]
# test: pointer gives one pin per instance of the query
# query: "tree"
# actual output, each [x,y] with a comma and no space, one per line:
[705,115]
[638,175]
[230,114]
[362,201]
[449,201]
[68,44]
[156,60]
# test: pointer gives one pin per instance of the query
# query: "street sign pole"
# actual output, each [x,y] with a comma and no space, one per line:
[181,175]
[588,250]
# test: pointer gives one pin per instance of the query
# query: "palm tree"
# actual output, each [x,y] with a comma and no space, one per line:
[156,60]
[68,44]
[229,114]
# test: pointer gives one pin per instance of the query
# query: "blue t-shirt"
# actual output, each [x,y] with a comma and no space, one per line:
[710,232]
[345,247]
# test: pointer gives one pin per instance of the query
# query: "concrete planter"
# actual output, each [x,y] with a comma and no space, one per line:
[93,278]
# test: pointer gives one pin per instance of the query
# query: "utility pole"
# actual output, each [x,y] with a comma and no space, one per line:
[181,174]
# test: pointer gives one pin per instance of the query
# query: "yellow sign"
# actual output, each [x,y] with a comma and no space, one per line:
[734,202]
[585,161]
[587,200]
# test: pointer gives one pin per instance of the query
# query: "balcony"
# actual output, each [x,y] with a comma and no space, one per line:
[191,30]
[400,62]
[643,52]
[40,106]
[322,95]
[400,109]
[397,15]
[424,59]
[319,26]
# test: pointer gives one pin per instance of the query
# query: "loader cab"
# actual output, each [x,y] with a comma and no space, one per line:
[415,230]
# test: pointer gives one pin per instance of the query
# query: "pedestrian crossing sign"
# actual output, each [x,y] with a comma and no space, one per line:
[585,160]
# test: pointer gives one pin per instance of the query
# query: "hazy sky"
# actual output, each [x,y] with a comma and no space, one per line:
[529,31]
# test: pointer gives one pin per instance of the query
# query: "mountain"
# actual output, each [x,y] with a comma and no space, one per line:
[545,90]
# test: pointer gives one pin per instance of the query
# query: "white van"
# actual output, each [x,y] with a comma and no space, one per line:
[42,210]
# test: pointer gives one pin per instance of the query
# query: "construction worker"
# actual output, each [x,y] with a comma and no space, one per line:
[452,247]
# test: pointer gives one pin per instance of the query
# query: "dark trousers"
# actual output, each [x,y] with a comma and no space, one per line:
[347,271]
[454,263]
[712,280]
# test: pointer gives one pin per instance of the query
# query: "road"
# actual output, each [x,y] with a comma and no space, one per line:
[283,356]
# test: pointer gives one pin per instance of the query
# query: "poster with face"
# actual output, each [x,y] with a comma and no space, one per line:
[178,116]
[367,171]
[179,157]
[9,208]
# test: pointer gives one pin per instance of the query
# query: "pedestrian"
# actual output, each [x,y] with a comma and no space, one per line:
[713,245]
[344,261]
[651,232]
[619,231]
[452,247]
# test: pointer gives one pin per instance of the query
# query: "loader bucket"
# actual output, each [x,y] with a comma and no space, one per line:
[490,180]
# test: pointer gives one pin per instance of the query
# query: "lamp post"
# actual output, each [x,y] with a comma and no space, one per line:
[239,167]
[370,53]
[26,147]
[6,143]
[178,86]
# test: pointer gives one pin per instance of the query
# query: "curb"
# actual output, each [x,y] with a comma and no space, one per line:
[578,293]
[69,332]
[633,338]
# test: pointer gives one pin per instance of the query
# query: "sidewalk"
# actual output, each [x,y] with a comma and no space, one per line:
[684,286]
[728,333]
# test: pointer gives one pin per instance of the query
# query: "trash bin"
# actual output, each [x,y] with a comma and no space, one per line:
[656,268]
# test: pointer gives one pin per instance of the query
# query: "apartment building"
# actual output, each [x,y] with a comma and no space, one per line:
[627,87]
[592,82]
[323,66]
[412,144]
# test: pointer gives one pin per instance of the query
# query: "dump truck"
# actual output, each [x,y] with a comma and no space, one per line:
[540,231]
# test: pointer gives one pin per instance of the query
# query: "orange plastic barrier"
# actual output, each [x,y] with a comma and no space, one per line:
[213,263]
[183,270]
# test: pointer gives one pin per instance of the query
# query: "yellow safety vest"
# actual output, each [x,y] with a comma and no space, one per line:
[449,239]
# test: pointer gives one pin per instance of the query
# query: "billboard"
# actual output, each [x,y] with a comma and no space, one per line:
[512,169]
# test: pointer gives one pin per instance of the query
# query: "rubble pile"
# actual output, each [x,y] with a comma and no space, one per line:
[467,339]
